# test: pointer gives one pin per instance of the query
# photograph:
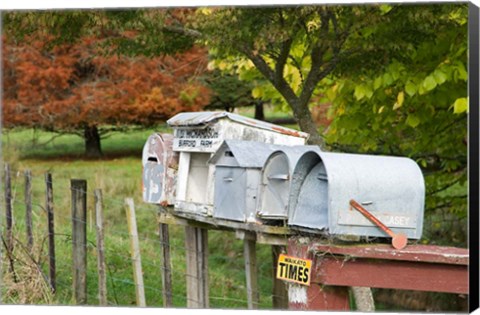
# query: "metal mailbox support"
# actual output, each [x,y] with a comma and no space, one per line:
[198,135]
[160,165]
[391,188]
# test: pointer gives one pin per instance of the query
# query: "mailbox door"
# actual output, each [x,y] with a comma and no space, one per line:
[159,169]
[275,188]
[311,210]
[230,193]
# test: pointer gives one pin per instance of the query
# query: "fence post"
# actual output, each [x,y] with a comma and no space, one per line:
[51,231]
[79,239]
[135,252]
[249,244]
[28,209]
[166,265]
[280,293]
[196,244]
[9,219]
[102,276]
[8,209]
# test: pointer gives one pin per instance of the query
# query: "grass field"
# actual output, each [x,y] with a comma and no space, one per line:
[118,174]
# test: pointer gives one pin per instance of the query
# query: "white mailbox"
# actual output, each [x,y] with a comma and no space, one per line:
[160,165]
[198,135]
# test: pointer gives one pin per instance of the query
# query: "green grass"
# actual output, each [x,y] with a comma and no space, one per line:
[119,176]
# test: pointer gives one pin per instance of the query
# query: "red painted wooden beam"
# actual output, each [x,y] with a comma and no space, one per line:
[380,273]
[420,253]
[337,267]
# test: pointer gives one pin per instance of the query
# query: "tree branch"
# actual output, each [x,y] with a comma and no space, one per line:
[278,81]
[182,31]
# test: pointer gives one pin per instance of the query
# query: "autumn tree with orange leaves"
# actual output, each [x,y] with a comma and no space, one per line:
[80,88]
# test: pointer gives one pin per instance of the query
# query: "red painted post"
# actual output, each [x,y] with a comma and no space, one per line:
[316,296]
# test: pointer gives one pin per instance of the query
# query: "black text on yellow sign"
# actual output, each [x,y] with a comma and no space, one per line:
[294,269]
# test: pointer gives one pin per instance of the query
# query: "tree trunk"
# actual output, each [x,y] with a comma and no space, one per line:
[259,114]
[92,142]
[305,121]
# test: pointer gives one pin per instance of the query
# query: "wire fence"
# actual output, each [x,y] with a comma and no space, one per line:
[25,268]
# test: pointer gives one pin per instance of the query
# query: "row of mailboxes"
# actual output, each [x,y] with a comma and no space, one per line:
[198,135]
[234,168]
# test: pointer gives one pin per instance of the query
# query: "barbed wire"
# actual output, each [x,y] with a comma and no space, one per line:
[111,254]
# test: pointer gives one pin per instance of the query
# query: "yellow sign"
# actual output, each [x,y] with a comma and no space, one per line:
[294,269]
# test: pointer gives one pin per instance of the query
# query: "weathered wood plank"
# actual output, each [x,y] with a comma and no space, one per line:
[423,253]
[102,269]
[393,274]
[196,244]
[135,252]
[191,219]
[28,209]
[166,265]
[79,239]
[280,293]
[52,269]
[8,209]
[251,272]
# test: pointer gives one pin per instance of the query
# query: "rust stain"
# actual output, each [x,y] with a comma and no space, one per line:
[164,203]
[287,132]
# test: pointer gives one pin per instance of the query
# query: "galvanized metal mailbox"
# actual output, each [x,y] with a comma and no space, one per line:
[274,194]
[390,188]
[238,166]
[160,165]
[198,135]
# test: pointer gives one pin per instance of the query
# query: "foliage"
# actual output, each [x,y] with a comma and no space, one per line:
[409,98]
[228,92]
[68,86]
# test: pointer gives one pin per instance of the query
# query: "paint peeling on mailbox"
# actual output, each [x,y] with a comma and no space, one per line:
[160,166]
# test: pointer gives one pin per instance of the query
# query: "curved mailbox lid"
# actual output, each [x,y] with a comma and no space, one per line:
[160,165]
[276,180]
[311,215]
[391,188]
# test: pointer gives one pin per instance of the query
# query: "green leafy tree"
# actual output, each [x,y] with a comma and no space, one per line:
[409,98]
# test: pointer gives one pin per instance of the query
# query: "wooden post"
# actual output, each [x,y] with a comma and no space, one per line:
[51,231]
[8,209]
[102,275]
[251,272]
[9,219]
[79,239]
[28,210]
[135,252]
[196,244]
[166,265]
[280,293]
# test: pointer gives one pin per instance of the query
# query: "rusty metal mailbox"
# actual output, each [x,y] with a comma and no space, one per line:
[390,188]
[159,169]
[238,166]
[274,194]
[198,135]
